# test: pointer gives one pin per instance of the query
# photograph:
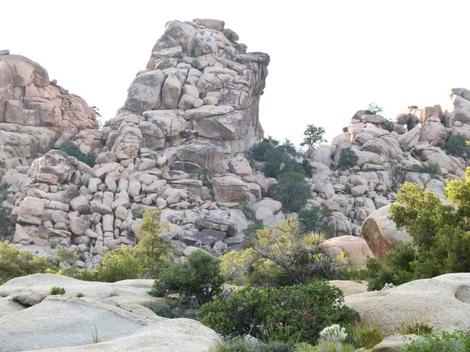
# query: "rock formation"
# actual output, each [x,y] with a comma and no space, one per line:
[177,143]
[108,317]
[35,114]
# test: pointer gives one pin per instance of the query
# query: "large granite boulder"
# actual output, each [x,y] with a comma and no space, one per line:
[355,249]
[381,233]
[442,302]
[36,113]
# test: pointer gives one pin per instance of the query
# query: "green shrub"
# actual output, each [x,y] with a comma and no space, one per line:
[57,290]
[374,109]
[361,335]
[252,229]
[331,347]
[167,310]
[6,224]
[315,220]
[154,252]
[291,190]
[16,262]
[347,159]
[196,278]
[240,344]
[119,264]
[281,256]
[287,314]
[440,342]
[429,168]
[417,328]
[457,145]
[71,149]
[80,295]
[313,136]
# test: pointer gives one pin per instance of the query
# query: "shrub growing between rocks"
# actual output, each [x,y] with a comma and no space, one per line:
[442,341]
[71,149]
[119,264]
[315,220]
[57,290]
[288,314]
[6,224]
[197,279]
[456,145]
[291,190]
[347,159]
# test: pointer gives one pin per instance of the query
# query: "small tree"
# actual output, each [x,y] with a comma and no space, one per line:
[196,278]
[6,224]
[154,251]
[291,190]
[71,149]
[315,220]
[313,136]
[119,264]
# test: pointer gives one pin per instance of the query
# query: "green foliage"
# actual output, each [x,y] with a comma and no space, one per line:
[313,136]
[429,168]
[331,347]
[418,328]
[361,335]
[315,220]
[440,342]
[55,290]
[288,314]
[252,229]
[457,145]
[71,149]
[197,277]
[80,295]
[15,262]
[119,264]
[291,190]
[374,109]
[167,310]
[347,159]
[6,224]
[154,252]
[282,256]
[240,344]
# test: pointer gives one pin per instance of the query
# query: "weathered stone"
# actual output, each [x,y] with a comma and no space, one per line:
[355,248]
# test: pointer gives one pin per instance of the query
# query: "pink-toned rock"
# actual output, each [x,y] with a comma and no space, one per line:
[354,248]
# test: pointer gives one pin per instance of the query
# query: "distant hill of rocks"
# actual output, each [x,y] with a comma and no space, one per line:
[179,143]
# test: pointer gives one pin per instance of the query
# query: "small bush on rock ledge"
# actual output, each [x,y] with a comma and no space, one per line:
[347,159]
[72,150]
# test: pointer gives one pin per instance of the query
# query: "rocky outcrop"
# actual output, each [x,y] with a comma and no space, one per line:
[441,303]
[36,114]
[353,248]
[176,144]
[107,317]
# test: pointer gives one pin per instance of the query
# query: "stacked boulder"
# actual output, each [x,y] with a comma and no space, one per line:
[176,144]
[36,114]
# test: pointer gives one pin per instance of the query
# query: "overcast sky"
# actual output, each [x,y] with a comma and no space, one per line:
[328,58]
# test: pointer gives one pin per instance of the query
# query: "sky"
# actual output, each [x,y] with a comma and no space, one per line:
[329,58]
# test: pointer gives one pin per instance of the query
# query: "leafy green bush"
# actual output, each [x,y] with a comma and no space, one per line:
[347,159]
[429,168]
[457,145]
[315,220]
[291,190]
[313,136]
[440,342]
[417,328]
[6,224]
[361,335]
[119,264]
[288,314]
[252,229]
[15,262]
[57,290]
[80,295]
[167,310]
[196,278]
[71,149]
[282,256]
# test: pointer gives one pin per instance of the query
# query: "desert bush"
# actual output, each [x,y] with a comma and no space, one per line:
[154,252]
[16,262]
[313,136]
[456,145]
[288,314]
[361,335]
[417,328]
[331,347]
[119,264]
[197,279]
[347,159]
[374,109]
[315,220]
[291,190]
[429,168]
[282,256]
[240,344]
[440,342]
[71,149]
[56,290]
[6,224]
